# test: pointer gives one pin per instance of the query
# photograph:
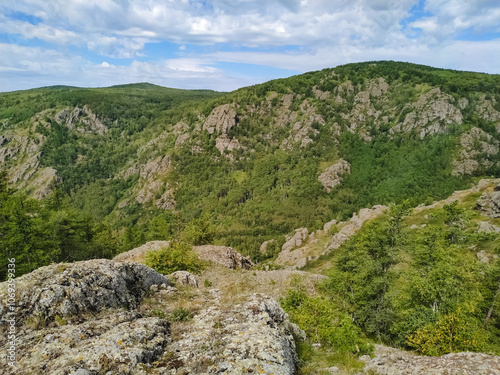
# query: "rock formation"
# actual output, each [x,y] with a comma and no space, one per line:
[489,203]
[83,120]
[223,255]
[89,318]
[332,176]
[432,113]
[477,147]
[220,120]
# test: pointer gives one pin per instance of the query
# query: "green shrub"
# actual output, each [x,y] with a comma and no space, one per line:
[181,314]
[323,323]
[177,257]
[455,332]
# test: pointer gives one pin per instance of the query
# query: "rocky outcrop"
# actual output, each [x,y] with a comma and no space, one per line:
[71,290]
[226,145]
[489,204]
[485,109]
[86,318]
[332,176]
[393,361]
[83,120]
[139,253]
[353,225]
[303,129]
[120,343]
[167,200]
[223,255]
[432,113]
[485,227]
[151,174]
[253,337]
[477,147]
[295,239]
[221,119]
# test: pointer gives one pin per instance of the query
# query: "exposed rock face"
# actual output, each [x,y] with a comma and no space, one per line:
[220,120]
[151,174]
[293,258]
[477,147]
[431,114]
[322,95]
[223,255]
[354,224]
[485,110]
[332,176]
[255,337]
[167,200]
[302,129]
[82,120]
[224,143]
[295,239]
[489,204]
[71,289]
[329,225]
[139,253]
[393,361]
[290,257]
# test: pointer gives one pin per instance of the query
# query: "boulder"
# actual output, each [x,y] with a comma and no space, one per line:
[484,226]
[184,278]
[75,289]
[252,337]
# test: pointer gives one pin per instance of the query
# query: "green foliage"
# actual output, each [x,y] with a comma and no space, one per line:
[324,323]
[420,288]
[199,232]
[180,314]
[177,257]
[454,332]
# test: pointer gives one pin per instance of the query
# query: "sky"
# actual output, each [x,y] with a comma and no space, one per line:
[227,44]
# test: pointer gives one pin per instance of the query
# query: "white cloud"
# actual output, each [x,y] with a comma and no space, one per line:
[323,34]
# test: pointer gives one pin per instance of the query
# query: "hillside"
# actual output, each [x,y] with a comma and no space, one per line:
[258,162]
[421,279]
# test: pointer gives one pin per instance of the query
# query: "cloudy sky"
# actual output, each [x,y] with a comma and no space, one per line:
[227,44]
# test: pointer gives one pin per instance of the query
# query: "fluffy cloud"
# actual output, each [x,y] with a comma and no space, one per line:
[298,35]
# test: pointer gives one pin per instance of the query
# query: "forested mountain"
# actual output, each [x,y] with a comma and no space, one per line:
[258,162]
[90,173]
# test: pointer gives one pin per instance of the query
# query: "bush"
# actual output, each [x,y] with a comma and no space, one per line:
[177,257]
[323,323]
[455,332]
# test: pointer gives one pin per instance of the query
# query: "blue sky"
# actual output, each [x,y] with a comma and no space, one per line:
[227,44]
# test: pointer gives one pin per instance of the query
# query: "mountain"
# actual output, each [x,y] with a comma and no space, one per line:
[340,172]
[262,160]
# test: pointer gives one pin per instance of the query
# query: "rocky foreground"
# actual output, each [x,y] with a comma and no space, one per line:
[107,317]
[111,317]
